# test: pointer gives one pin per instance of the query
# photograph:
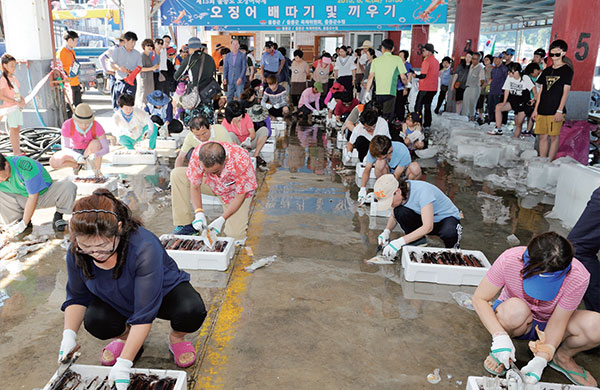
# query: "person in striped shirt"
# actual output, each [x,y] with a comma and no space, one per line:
[540,287]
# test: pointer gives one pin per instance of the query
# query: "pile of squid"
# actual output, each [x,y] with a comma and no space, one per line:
[71,380]
[135,152]
[181,244]
[445,258]
[94,180]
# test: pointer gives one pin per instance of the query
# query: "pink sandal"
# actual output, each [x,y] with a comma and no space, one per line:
[115,347]
[179,349]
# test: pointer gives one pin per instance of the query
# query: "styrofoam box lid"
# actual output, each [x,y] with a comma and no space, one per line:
[473,383]
[88,372]
[440,273]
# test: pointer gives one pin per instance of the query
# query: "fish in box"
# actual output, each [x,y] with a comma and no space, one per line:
[191,252]
[134,157]
[86,185]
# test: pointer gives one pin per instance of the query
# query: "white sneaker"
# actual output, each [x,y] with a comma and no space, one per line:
[496,131]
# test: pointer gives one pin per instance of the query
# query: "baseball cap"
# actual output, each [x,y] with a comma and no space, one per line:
[540,52]
[543,286]
[384,189]
[510,52]
[499,55]
[318,86]
[429,47]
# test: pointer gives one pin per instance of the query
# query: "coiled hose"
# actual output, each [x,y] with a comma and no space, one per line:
[38,143]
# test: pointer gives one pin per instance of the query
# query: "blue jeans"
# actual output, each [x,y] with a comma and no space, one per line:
[585,238]
[234,91]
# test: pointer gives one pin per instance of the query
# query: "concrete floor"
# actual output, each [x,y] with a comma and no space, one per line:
[318,317]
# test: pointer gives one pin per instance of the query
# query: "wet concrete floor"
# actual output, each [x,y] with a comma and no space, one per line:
[318,317]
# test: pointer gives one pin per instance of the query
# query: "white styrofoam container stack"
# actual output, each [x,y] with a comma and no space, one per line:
[476,383]
[441,273]
[373,212]
[349,159]
[202,260]
[268,151]
[360,169]
[278,128]
[134,157]
[89,188]
[169,143]
[89,372]
[341,140]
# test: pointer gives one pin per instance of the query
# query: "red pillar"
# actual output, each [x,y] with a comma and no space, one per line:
[420,36]
[395,36]
[576,22]
[466,27]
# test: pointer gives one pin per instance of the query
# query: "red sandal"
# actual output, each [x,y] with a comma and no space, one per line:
[179,349]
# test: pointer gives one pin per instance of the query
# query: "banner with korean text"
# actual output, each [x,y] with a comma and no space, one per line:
[288,15]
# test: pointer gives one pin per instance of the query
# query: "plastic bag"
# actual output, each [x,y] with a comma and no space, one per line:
[574,140]
[463,299]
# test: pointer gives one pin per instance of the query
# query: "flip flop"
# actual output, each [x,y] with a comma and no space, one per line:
[179,349]
[116,348]
[568,373]
[492,372]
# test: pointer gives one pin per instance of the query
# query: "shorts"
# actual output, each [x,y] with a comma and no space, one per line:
[458,94]
[14,119]
[517,105]
[80,151]
[531,334]
[545,124]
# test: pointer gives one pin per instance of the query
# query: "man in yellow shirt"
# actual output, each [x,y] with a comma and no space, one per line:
[66,56]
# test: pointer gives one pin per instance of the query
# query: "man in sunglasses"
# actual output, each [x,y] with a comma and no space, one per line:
[554,84]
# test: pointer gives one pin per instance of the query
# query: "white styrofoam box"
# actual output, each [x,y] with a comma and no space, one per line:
[476,383]
[210,199]
[373,212]
[341,140]
[170,143]
[278,128]
[441,273]
[360,169]
[89,372]
[89,188]
[134,157]
[349,159]
[488,158]
[181,135]
[202,260]
[573,191]
[269,147]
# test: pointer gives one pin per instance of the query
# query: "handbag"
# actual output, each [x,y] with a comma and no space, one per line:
[191,98]
[209,92]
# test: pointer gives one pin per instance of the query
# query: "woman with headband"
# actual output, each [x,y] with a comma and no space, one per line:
[120,279]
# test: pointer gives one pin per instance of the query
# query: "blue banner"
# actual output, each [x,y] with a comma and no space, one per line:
[287,15]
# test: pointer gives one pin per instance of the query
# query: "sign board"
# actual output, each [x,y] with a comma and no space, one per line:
[287,15]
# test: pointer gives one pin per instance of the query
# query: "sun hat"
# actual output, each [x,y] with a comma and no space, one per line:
[84,114]
[194,43]
[510,52]
[158,98]
[171,51]
[366,44]
[384,189]
[429,47]
[337,87]
[258,113]
[544,286]
[318,86]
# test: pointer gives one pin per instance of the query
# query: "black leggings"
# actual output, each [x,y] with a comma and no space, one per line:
[175,126]
[448,229]
[183,306]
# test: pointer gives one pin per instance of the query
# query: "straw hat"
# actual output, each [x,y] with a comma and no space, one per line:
[83,114]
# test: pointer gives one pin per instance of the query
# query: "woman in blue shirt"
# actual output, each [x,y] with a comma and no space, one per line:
[420,208]
[120,279]
[445,74]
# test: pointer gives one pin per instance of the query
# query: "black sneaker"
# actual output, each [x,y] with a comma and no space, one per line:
[260,161]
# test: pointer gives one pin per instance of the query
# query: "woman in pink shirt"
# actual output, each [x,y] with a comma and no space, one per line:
[309,101]
[541,287]
[10,96]
[241,127]
[83,139]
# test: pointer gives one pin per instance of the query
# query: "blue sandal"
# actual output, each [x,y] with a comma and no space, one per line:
[568,373]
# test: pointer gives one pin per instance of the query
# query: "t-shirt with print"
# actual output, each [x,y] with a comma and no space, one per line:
[400,156]
[237,176]
[506,273]
[431,68]
[27,177]
[67,59]
[519,90]
[552,83]
[79,140]
[381,128]
[421,193]
[344,66]
[217,133]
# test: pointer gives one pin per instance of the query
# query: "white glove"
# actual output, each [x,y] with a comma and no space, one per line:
[119,374]
[80,159]
[277,106]
[503,349]
[384,237]
[346,157]
[247,143]
[393,247]
[67,344]
[362,194]
[199,221]
[17,229]
[163,131]
[367,98]
[533,370]
[316,112]
[269,106]
[217,225]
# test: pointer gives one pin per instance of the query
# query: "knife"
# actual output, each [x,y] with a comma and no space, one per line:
[514,367]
